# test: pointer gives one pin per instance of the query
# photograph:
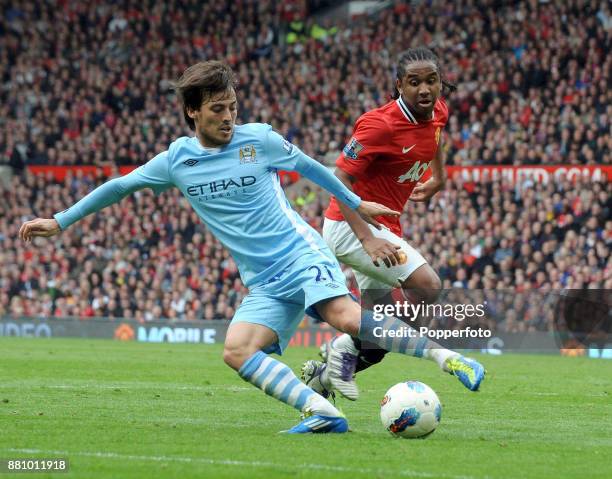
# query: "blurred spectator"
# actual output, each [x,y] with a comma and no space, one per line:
[90,85]
[161,262]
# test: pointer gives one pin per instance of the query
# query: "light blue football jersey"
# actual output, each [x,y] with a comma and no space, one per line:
[236,192]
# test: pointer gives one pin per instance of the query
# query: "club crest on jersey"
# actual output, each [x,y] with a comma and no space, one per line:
[352,149]
[248,154]
[437,136]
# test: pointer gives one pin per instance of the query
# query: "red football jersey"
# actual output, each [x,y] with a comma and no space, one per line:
[388,154]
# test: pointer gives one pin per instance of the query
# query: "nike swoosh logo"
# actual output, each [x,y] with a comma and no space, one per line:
[406,150]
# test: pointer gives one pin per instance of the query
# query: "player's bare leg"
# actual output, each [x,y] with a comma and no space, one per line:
[425,285]
[243,351]
[343,358]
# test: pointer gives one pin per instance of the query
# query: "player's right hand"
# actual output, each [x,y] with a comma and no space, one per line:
[39,227]
[381,249]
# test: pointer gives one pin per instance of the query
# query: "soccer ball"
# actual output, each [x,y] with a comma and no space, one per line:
[410,409]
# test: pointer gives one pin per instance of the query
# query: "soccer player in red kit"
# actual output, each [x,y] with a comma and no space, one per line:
[391,149]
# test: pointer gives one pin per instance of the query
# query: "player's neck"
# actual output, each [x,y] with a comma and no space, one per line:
[206,143]
[419,117]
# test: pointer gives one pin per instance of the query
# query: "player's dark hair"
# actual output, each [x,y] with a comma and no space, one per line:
[200,82]
[417,55]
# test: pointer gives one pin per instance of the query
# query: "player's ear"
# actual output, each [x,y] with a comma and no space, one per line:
[398,85]
[191,113]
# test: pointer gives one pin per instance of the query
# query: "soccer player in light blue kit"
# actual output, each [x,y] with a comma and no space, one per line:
[228,173]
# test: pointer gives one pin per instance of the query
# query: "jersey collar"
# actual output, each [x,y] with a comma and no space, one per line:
[407,113]
[206,149]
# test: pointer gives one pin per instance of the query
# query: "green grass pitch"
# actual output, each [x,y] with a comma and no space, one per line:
[134,410]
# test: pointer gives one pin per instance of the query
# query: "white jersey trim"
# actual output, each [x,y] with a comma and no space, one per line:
[405,110]
[408,114]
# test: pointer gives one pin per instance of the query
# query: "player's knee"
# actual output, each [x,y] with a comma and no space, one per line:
[427,287]
[230,358]
[343,314]
[432,289]
[349,325]
[235,355]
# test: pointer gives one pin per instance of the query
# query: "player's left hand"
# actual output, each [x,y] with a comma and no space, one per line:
[368,209]
[424,191]
[44,227]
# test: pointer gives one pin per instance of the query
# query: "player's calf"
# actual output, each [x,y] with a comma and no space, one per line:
[385,333]
[423,285]
[243,352]
[277,380]
[235,357]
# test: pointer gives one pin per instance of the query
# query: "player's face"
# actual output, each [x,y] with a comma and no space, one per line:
[215,119]
[420,87]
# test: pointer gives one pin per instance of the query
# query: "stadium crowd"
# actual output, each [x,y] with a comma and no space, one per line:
[149,257]
[89,83]
[495,235]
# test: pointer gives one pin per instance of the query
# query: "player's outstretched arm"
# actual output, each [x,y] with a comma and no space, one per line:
[153,174]
[315,171]
[104,195]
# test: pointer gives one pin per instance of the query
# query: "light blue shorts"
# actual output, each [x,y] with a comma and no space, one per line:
[280,303]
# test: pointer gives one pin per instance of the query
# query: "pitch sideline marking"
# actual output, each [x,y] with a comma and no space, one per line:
[137,385]
[230,462]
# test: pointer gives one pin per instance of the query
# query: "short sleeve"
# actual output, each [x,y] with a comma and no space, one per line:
[371,137]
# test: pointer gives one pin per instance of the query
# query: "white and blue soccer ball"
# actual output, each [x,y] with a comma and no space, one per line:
[410,409]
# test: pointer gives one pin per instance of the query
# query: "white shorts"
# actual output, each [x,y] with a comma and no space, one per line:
[348,249]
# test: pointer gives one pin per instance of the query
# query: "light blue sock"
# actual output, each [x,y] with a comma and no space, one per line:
[278,381]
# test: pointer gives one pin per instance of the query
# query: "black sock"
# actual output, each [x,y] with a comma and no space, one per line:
[369,354]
